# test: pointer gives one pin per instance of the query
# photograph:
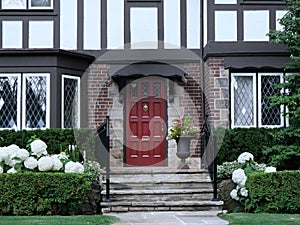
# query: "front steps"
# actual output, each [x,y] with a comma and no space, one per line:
[159,189]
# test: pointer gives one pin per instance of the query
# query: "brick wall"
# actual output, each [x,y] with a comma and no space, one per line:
[98,100]
[216,89]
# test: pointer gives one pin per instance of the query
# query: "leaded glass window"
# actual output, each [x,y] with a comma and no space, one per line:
[36,100]
[243,97]
[250,103]
[157,90]
[133,89]
[71,107]
[9,101]
[269,116]
[145,89]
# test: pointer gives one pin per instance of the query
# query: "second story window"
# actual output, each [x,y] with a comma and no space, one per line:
[26,4]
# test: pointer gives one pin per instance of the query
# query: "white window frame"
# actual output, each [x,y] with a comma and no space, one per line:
[47,75]
[253,75]
[64,76]
[257,97]
[260,98]
[18,97]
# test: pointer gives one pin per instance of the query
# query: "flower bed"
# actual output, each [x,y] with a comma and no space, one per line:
[36,183]
[14,159]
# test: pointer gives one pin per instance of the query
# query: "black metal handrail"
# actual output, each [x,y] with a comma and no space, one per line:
[103,152]
[209,143]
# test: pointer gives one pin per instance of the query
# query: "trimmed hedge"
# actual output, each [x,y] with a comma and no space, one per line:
[56,139]
[274,192]
[263,143]
[43,193]
[239,140]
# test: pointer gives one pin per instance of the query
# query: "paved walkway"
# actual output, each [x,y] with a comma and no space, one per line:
[169,218]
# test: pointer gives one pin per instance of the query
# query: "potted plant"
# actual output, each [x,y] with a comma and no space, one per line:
[182,131]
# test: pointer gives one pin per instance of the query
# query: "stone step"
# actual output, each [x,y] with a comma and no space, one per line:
[159,189]
[179,184]
[124,206]
[160,195]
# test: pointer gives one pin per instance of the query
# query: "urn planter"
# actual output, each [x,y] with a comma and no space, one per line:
[183,150]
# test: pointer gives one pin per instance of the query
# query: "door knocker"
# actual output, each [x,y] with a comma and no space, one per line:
[145,107]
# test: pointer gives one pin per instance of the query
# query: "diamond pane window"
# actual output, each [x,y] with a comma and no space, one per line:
[70,102]
[145,87]
[269,116]
[133,89]
[243,101]
[9,101]
[36,100]
[157,90]
[250,103]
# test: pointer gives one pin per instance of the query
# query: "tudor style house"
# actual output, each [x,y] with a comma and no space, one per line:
[70,63]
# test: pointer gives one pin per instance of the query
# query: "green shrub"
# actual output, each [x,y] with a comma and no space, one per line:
[239,140]
[274,192]
[57,139]
[285,153]
[43,193]
[264,143]
[284,157]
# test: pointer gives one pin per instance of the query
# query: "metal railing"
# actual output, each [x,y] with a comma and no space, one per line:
[103,152]
[209,154]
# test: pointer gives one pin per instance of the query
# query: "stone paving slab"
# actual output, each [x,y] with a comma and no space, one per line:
[169,218]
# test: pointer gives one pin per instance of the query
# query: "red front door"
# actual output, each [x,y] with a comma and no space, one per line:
[146,122]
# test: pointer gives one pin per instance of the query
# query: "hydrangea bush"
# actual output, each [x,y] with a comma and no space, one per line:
[14,159]
[245,165]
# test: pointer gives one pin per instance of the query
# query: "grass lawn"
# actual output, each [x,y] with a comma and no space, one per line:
[58,220]
[262,219]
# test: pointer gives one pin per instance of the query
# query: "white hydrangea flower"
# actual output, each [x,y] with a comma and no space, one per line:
[1,169]
[234,194]
[270,169]
[22,154]
[3,154]
[11,150]
[12,170]
[45,163]
[244,157]
[74,167]
[57,164]
[244,192]
[59,156]
[39,148]
[239,177]
[31,163]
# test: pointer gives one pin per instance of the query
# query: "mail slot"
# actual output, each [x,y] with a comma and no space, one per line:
[145,139]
